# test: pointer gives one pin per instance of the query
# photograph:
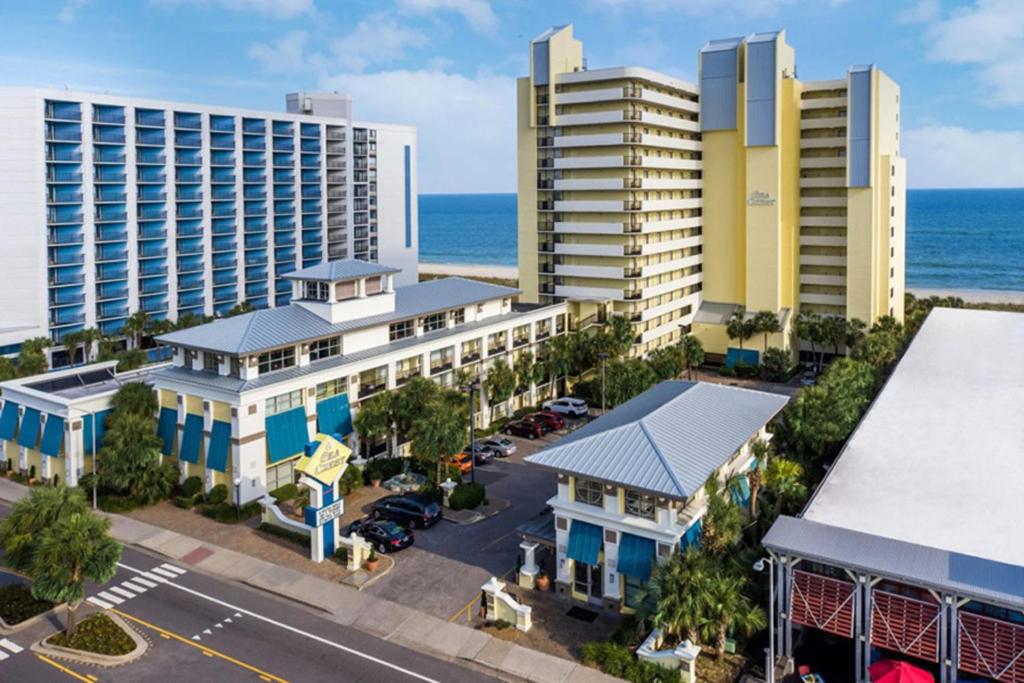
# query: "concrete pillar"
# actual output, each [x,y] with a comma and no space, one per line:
[529,570]
[610,580]
[73,459]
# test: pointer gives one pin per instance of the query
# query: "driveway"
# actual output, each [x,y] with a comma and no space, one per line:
[443,572]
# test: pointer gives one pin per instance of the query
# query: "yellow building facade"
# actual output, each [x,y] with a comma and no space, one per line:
[770,193]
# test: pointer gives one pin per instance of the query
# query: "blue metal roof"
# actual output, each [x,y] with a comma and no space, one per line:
[345,269]
[667,440]
[274,327]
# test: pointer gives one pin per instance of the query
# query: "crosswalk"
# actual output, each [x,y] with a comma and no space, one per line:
[8,648]
[112,596]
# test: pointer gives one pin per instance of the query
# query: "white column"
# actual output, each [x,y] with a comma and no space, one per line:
[611,567]
[207,428]
[72,454]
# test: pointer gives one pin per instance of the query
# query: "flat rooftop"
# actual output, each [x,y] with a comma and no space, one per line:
[81,382]
[938,460]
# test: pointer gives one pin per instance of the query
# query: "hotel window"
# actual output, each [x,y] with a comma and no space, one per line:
[236,366]
[278,359]
[639,504]
[589,492]
[401,330]
[283,402]
[345,290]
[433,322]
[210,362]
[374,286]
[633,588]
[459,316]
[316,291]
[325,348]
[332,387]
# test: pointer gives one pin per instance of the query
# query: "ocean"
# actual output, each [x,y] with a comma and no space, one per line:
[956,239]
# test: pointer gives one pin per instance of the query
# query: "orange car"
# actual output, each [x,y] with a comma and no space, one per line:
[463,461]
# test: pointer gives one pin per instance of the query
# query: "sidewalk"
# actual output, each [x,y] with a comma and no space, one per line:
[382,618]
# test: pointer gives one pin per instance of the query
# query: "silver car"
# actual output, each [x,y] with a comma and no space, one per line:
[499,445]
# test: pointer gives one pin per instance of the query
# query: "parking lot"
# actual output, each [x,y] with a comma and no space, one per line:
[442,573]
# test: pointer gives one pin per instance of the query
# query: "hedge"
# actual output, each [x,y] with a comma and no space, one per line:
[467,496]
[618,660]
[218,494]
[287,534]
[227,513]
[286,492]
[191,486]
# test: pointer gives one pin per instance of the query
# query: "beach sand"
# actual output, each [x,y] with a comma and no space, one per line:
[470,270]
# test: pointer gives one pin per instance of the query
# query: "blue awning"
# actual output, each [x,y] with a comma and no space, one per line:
[220,446]
[167,429]
[101,420]
[9,420]
[584,542]
[53,436]
[739,490]
[29,433]
[192,439]
[636,556]
[333,416]
[287,434]
[692,537]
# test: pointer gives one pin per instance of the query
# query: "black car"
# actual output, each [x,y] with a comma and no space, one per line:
[385,535]
[414,510]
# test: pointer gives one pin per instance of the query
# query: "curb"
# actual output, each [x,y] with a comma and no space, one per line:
[141,646]
[9,629]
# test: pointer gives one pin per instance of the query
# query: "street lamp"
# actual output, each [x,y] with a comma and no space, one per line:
[472,388]
[94,456]
[770,650]
[238,498]
[603,356]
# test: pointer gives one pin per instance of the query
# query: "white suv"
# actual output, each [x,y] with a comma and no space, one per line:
[570,407]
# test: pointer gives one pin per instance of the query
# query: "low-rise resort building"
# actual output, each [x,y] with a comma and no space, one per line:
[912,546]
[631,483]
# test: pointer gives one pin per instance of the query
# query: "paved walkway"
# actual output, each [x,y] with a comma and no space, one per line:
[383,618]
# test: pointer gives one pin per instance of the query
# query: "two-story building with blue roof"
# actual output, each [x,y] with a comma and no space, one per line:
[631,483]
[245,394]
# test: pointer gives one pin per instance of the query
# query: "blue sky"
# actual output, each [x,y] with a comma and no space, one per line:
[448,66]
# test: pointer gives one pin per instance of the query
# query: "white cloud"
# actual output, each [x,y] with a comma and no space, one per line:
[989,35]
[477,13]
[276,9]
[950,156]
[285,55]
[923,11]
[747,8]
[376,39]
[466,125]
[69,11]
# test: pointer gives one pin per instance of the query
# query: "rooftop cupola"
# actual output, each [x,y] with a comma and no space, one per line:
[345,290]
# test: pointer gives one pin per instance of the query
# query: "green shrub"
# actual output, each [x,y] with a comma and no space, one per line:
[286,492]
[501,624]
[188,502]
[351,480]
[384,468]
[745,371]
[618,660]
[466,496]
[17,604]
[433,490]
[726,371]
[287,534]
[341,554]
[98,634]
[630,632]
[217,495]
[115,503]
[776,365]
[524,411]
[226,513]
[191,487]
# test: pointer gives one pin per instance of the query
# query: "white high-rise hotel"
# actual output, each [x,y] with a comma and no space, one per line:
[109,205]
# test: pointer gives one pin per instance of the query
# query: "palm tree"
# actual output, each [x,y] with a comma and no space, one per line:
[558,354]
[728,609]
[439,435]
[412,403]
[32,357]
[855,330]
[674,598]
[73,341]
[723,521]
[755,475]
[75,549]
[130,359]
[374,419]
[90,335]
[766,322]
[808,329]
[500,383]
[740,328]
[41,509]
[239,309]
[620,335]
[135,326]
[833,332]
[134,397]
[784,478]
[129,460]
[526,370]
[693,354]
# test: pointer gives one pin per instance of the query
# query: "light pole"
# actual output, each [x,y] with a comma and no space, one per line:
[238,498]
[770,650]
[94,456]
[472,388]
[603,356]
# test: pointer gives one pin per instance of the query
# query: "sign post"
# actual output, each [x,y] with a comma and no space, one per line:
[325,460]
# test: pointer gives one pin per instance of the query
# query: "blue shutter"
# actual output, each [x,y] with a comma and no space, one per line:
[636,556]
[287,434]
[220,442]
[29,434]
[584,542]
[692,537]
[192,439]
[53,436]
[333,416]
[9,420]
[167,429]
[101,419]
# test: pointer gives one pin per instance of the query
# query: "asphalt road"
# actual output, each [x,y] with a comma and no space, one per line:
[204,629]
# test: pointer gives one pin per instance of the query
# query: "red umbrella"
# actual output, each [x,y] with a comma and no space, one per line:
[891,671]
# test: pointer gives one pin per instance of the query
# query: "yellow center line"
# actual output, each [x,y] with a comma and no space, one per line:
[63,668]
[209,652]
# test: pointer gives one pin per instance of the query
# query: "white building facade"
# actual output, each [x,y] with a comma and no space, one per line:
[112,205]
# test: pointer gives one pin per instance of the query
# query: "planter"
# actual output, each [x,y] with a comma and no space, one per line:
[682,657]
[543,583]
[91,657]
[371,565]
[375,483]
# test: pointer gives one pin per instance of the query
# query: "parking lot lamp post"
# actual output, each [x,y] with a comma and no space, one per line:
[603,356]
[770,650]
[94,456]
[238,498]
[472,388]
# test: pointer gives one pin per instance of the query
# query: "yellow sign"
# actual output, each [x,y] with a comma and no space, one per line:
[327,462]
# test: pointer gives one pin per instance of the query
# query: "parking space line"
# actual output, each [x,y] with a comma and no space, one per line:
[63,668]
[209,652]
[466,609]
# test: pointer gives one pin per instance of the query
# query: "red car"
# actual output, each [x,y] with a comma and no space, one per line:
[552,420]
[531,429]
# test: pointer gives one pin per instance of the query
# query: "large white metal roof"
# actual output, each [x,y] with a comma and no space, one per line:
[938,460]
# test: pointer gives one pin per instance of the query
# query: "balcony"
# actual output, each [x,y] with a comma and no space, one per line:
[254,192]
[111,233]
[152,232]
[65,236]
[59,175]
[115,197]
[149,118]
[104,135]
[188,121]
[187,139]
[184,212]
[148,213]
[63,132]
[57,218]
[71,197]
[63,154]
[64,111]
[151,157]
[370,389]
[106,255]
[153,286]
[144,178]
[65,298]
[257,126]
[63,278]
[190,230]
[151,268]
[108,155]
[66,317]
[153,305]
[146,251]
[254,143]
